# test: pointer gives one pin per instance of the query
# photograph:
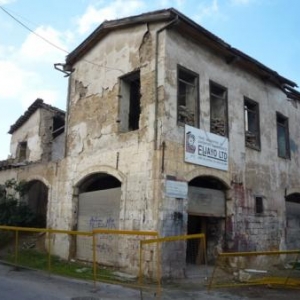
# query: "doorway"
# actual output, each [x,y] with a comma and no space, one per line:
[196,252]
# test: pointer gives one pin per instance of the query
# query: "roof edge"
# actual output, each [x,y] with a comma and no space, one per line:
[38,103]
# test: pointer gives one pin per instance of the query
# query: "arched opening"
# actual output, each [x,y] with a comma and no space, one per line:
[206,214]
[37,199]
[293,221]
[98,207]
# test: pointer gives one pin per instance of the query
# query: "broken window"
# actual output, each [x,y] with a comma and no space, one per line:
[58,126]
[218,109]
[187,106]
[252,134]
[130,106]
[282,136]
[259,207]
[22,151]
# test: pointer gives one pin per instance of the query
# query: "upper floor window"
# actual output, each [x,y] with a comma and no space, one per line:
[187,97]
[218,109]
[130,106]
[22,151]
[252,133]
[283,143]
[58,126]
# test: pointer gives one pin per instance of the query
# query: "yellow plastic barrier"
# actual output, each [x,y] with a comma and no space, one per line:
[279,268]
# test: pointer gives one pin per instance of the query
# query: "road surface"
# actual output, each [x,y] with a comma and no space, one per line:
[34,285]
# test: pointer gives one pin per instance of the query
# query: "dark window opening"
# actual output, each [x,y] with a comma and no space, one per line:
[22,151]
[259,208]
[187,98]
[218,109]
[252,133]
[282,136]
[58,126]
[130,106]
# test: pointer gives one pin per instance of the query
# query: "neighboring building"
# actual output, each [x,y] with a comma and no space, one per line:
[169,128]
[37,139]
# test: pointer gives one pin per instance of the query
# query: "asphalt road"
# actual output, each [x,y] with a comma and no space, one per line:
[34,285]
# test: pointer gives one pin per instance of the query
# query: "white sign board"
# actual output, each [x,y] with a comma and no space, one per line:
[176,189]
[205,148]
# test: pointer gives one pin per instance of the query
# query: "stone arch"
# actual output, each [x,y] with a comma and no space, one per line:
[292,208]
[98,169]
[39,178]
[98,200]
[206,212]
[221,176]
[37,197]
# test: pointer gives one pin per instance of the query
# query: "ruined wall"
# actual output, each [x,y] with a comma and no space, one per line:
[251,172]
[58,148]
[94,143]
[7,175]
[30,132]
[37,132]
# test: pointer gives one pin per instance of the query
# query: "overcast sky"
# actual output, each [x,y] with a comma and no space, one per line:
[267,30]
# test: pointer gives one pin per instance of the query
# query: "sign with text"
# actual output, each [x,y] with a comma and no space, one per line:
[176,189]
[205,148]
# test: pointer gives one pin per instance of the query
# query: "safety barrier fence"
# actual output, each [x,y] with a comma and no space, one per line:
[272,268]
[173,259]
[100,255]
[139,259]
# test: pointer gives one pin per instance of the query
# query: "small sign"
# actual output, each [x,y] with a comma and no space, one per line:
[205,148]
[176,189]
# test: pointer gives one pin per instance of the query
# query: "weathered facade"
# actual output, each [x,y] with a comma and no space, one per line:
[134,85]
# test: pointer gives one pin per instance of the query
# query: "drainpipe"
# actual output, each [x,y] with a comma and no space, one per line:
[67,116]
[174,21]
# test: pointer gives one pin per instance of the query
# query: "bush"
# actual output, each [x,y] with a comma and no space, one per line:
[14,212]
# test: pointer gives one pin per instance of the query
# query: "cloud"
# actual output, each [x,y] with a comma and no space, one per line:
[208,9]
[241,2]
[48,95]
[13,79]
[2,2]
[35,49]
[116,9]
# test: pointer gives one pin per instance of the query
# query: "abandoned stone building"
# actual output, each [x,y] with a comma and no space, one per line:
[167,128]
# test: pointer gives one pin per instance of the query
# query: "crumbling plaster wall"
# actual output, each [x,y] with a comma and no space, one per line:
[7,175]
[94,143]
[37,132]
[29,132]
[250,172]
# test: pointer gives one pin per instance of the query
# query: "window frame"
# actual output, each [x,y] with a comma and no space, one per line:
[125,113]
[283,121]
[197,97]
[217,85]
[257,145]
[22,151]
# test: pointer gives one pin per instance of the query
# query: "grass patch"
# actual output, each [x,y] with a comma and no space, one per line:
[37,260]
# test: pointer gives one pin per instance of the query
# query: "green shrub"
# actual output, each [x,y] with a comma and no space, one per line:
[13,211]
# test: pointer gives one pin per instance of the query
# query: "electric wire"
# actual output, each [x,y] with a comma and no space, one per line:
[49,42]
[32,31]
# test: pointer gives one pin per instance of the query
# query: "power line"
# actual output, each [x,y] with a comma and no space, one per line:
[32,31]
[52,44]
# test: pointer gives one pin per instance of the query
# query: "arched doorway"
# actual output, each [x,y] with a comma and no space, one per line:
[293,221]
[98,207]
[37,199]
[206,214]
